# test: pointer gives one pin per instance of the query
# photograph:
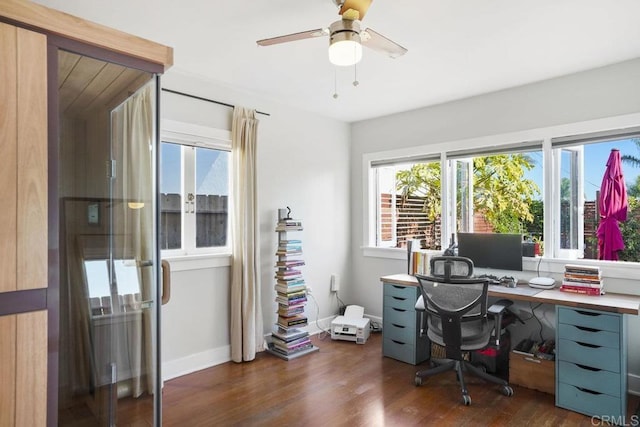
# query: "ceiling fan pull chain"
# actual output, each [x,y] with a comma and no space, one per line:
[335,83]
[355,75]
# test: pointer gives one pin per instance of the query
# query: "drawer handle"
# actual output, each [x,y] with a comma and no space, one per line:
[398,287]
[399,299]
[399,309]
[398,326]
[586,390]
[398,342]
[587,313]
[584,344]
[584,328]
[587,368]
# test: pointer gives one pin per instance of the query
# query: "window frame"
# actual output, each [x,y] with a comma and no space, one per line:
[552,261]
[189,135]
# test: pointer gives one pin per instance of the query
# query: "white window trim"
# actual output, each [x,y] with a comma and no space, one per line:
[496,141]
[189,134]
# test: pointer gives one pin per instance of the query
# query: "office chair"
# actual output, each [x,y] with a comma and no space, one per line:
[455,304]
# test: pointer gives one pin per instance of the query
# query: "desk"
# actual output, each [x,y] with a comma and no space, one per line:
[609,302]
[591,340]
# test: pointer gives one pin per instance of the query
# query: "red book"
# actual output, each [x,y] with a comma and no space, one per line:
[580,290]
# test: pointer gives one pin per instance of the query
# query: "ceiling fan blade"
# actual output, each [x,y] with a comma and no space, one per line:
[293,37]
[354,9]
[377,41]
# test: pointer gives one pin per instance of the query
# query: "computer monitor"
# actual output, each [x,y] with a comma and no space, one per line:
[492,250]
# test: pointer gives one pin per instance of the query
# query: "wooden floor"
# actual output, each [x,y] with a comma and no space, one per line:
[345,384]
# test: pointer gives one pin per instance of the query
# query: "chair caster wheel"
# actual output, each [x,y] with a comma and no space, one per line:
[507,390]
[466,399]
[417,381]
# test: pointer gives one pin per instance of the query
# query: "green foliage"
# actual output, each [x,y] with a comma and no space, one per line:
[501,192]
[422,180]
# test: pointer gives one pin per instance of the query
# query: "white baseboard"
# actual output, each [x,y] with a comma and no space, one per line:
[195,362]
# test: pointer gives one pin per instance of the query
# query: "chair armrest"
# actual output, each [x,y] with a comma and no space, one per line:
[499,306]
[497,310]
[423,315]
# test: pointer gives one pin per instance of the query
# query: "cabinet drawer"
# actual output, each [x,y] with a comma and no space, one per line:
[401,317]
[403,297]
[587,355]
[589,319]
[406,352]
[398,332]
[586,402]
[589,336]
[601,381]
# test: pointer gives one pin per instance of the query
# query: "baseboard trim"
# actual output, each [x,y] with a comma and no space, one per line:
[195,362]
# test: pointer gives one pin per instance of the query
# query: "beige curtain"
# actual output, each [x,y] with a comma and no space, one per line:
[132,141]
[246,315]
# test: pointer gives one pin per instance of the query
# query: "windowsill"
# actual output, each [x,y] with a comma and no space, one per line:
[530,265]
[198,262]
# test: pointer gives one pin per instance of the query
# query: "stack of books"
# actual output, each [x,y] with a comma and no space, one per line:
[289,224]
[582,279]
[287,340]
[418,259]
[289,344]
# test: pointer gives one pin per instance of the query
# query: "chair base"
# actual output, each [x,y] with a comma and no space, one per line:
[461,366]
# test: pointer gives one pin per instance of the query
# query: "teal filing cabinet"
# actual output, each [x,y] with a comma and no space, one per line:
[591,362]
[401,325]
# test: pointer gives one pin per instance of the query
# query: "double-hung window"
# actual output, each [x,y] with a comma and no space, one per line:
[194,190]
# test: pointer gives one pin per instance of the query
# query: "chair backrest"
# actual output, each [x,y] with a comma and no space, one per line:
[456,304]
[451,267]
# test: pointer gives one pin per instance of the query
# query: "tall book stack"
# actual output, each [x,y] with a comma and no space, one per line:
[288,341]
[582,279]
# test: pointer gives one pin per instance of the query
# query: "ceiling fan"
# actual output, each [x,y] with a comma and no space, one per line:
[345,36]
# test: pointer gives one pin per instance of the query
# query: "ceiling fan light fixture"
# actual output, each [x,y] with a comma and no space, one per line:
[345,48]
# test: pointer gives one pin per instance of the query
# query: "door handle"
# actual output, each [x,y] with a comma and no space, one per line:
[166,281]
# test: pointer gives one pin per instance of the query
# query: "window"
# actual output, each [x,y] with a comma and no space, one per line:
[194,190]
[408,199]
[581,162]
[497,191]
[545,188]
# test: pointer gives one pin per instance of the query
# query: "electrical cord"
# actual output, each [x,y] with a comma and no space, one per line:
[538,267]
[341,305]
[533,315]
[324,332]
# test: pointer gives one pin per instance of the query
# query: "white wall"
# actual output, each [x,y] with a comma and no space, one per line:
[303,162]
[604,92]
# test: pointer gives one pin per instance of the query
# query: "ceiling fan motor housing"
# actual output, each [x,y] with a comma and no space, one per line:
[344,43]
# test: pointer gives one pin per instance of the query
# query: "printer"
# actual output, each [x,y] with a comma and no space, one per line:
[352,326]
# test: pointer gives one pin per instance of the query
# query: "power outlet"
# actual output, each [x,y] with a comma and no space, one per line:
[335,283]
[308,290]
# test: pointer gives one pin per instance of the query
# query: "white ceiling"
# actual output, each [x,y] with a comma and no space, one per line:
[457,48]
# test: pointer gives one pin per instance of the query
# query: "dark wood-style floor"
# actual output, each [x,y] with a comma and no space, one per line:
[345,384]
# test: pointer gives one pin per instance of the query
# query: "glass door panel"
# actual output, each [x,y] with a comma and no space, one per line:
[108,264]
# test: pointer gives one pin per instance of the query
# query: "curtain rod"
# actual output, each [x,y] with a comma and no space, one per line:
[207,100]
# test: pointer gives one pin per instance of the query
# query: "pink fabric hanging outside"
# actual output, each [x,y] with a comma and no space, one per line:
[613,209]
